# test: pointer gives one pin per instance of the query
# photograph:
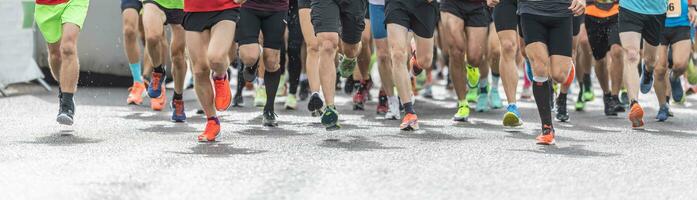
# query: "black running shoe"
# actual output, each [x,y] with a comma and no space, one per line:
[304,91]
[315,105]
[250,72]
[609,105]
[562,113]
[66,112]
[349,85]
[238,100]
[269,118]
[616,105]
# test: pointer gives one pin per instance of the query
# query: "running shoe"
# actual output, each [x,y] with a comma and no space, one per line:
[663,113]
[428,92]
[495,99]
[178,114]
[211,132]
[66,112]
[463,111]
[512,117]
[588,95]
[304,91]
[382,103]
[636,116]
[409,123]
[393,111]
[250,72]
[135,94]
[676,88]
[158,103]
[315,105]
[238,100]
[330,118]
[291,102]
[616,105]
[482,101]
[691,73]
[646,80]
[526,94]
[269,119]
[359,100]
[624,98]
[547,136]
[223,96]
[346,66]
[472,76]
[260,96]
[349,85]
[562,113]
[472,95]
[609,105]
[580,101]
[156,87]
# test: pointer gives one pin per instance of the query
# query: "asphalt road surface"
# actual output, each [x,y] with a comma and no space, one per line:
[116,151]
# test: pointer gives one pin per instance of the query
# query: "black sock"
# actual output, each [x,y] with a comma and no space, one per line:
[667,99]
[177,96]
[543,98]
[587,82]
[60,92]
[240,81]
[159,69]
[562,95]
[271,81]
[409,108]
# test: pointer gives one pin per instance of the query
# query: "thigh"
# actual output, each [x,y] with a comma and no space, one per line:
[454,28]
[248,27]
[197,44]
[352,16]
[153,18]
[178,37]
[476,40]
[273,29]
[220,40]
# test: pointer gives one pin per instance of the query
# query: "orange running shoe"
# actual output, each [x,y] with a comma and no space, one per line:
[636,116]
[157,104]
[223,95]
[212,130]
[409,123]
[135,94]
[547,136]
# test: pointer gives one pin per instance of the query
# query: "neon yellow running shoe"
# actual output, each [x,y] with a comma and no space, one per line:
[463,111]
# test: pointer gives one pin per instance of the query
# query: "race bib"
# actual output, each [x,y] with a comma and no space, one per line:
[674,8]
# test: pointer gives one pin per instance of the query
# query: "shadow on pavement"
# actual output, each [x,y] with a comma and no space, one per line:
[571,151]
[175,128]
[356,143]
[525,136]
[427,135]
[63,138]
[271,132]
[219,150]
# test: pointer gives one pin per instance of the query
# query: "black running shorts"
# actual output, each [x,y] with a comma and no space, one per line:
[174,16]
[201,21]
[602,34]
[555,32]
[672,35]
[578,22]
[475,14]
[505,17]
[650,26]
[135,4]
[271,24]
[304,4]
[417,15]
[345,17]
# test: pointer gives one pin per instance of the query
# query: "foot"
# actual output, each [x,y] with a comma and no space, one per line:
[428,92]
[588,95]
[250,72]
[158,103]
[315,105]
[135,94]
[691,73]
[463,112]
[349,85]
[358,100]
[156,87]
[330,118]
[291,102]
[269,119]
[624,98]
[495,99]
[526,94]
[662,113]
[609,105]
[346,66]
[472,94]
[382,104]
[580,102]
[512,117]
[178,114]
[562,113]
[472,76]
[409,123]
[482,101]
[238,100]
[636,116]
[547,136]
[646,80]
[211,132]
[304,91]
[260,97]
[223,94]
[676,89]
[66,112]
[617,105]
[393,111]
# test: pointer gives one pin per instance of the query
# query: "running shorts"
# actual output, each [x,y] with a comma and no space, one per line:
[377,21]
[417,15]
[174,16]
[650,26]
[345,17]
[555,32]
[135,4]
[271,24]
[201,21]
[505,17]
[474,14]
[602,34]
[578,22]
[304,4]
[50,18]
[672,35]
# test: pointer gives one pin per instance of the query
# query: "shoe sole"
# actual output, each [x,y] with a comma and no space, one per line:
[460,119]
[270,124]
[553,142]
[64,119]
[510,120]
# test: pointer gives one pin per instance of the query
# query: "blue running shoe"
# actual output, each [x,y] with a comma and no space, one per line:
[676,88]
[662,113]
[178,114]
[512,117]
[646,80]
[155,86]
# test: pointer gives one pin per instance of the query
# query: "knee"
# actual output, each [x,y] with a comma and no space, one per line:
[178,53]
[130,32]
[659,73]
[425,61]
[273,62]
[248,58]
[68,49]
[202,73]
[398,53]
[633,55]
[539,65]
[54,54]
[383,55]
[679,65]
[217,59]
[508,48]
[474,59]
[152,39]
[456,51]
[616,52]
[328,44]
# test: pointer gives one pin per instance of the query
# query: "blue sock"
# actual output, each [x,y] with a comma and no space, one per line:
[136,73]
